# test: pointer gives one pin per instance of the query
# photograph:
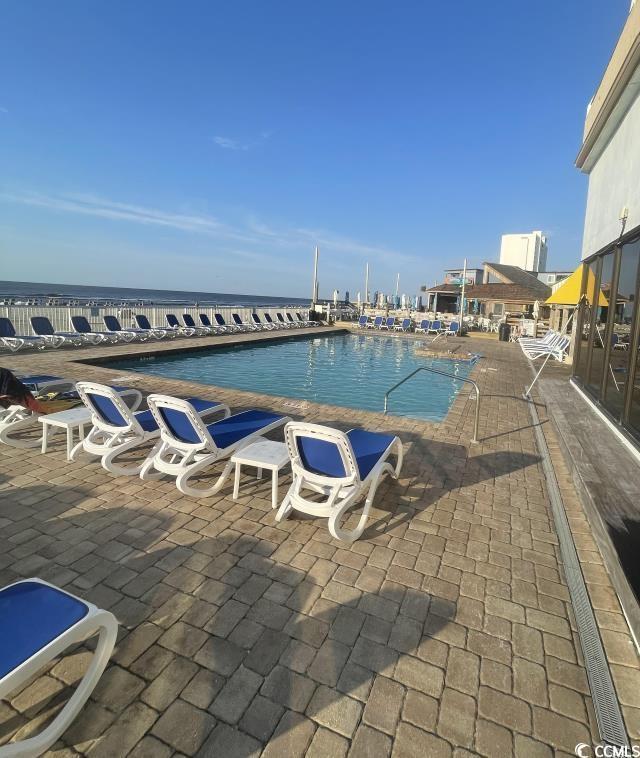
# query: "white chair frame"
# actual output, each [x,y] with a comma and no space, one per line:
[96,621]
[107,440]
[342,493]
[184,460]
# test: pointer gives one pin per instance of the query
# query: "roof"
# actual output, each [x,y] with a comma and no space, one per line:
[517,275]
[498,291]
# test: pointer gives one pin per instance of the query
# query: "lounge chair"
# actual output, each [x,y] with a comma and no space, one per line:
[343,467]
[388,323]
[189,446]
[117,429]
[157,332]
[15,342]
[221,323]
[404,326]
[16,419]
[435,327]
[284,324]
[43,328]
[243,325]
[555,350]
[128,334]
[258,324]
[306,321]
[175,326]
[82,326]
[363,321]
[269,320]
[424,327]
[38,623]
[453,328]
[199,330]
[376,323]
[293,321]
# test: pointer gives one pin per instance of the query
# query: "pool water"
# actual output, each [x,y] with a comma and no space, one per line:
[349,370]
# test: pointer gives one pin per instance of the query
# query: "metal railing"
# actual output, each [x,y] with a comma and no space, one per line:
[441,373]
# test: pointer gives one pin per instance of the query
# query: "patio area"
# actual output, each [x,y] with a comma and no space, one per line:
[445,630]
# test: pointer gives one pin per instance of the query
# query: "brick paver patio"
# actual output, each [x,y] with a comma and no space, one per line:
[445,630]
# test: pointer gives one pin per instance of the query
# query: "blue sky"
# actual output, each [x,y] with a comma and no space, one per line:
[210,146]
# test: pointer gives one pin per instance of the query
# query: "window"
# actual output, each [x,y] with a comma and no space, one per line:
[498,309]
[599,361]
[588,287]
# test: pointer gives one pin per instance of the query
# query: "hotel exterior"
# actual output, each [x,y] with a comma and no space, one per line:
[606,365]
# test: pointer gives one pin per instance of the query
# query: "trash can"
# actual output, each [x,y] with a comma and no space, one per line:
[504,332]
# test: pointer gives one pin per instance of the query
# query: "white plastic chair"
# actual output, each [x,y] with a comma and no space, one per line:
[189,446]
[343,467]
[38,622]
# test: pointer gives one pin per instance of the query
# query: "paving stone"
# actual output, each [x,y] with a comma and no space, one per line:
[368,743]
[329,662]
[333,710]
[530,682]
[462,670]
[420,710]
[234,698]
[261,717]
[169,684]
[356,681]
[418,675]
[220,656]
[230,743]
[288,688]
[117,688]
[203,688]
[291,737]
[183,639]
[327,743]
[456,722]
[559,731]
[125,732]
[375,657]
[150,747]
[492,739]
[504,709]
[411,742]
[298,656]
[525,747]
[266,652]
[384,703]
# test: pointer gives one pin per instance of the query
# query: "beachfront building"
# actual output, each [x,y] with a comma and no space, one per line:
[606,357]
[527,251]
[500,292]
[552,278]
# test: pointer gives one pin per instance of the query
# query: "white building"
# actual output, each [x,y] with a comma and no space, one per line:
[527,251]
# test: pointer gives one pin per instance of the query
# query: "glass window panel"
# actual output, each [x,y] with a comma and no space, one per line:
[621,332]
[632,314]
[601,305]
[587,310]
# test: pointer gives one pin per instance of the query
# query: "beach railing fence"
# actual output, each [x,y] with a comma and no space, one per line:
[60,315]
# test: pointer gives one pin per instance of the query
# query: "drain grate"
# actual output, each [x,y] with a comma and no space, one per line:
[605,700]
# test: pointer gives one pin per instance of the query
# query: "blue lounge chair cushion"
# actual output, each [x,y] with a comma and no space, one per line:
[146,421]
[36,379]
[228,431]
[31,616]
[322,457]
[179,423]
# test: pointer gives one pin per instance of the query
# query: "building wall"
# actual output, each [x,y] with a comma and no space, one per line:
[614,182]
[528,251]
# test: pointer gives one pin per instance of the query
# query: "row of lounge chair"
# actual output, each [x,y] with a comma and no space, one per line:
[82,333]
[426,326]
[39,621]
[553,344]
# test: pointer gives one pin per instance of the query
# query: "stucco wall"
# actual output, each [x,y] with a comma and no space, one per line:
[614,182]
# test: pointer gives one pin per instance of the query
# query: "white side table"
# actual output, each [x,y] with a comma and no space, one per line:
[262,454]
[74,418]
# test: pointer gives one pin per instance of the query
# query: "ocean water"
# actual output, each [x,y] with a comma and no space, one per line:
[349,370]
[43,290]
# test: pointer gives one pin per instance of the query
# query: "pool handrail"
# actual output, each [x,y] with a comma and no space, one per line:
[441,373]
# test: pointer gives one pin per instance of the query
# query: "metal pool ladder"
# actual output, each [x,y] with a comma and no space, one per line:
[442,373]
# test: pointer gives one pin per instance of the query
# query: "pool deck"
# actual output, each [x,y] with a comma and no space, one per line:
[445,630]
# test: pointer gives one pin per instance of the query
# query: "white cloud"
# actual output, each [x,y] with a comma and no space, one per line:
[252,232]
[228,143]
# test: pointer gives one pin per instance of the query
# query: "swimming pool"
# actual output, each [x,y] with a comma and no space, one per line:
[349,370]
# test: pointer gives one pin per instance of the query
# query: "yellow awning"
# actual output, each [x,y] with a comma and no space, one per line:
[568,293]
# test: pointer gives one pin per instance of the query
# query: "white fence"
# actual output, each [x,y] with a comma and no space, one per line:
[60,315]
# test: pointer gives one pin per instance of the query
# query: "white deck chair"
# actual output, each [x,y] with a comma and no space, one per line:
[15,342]
[188,445]
[16,419]
[343,467]
[38,622]
[118,428]
[43,327]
